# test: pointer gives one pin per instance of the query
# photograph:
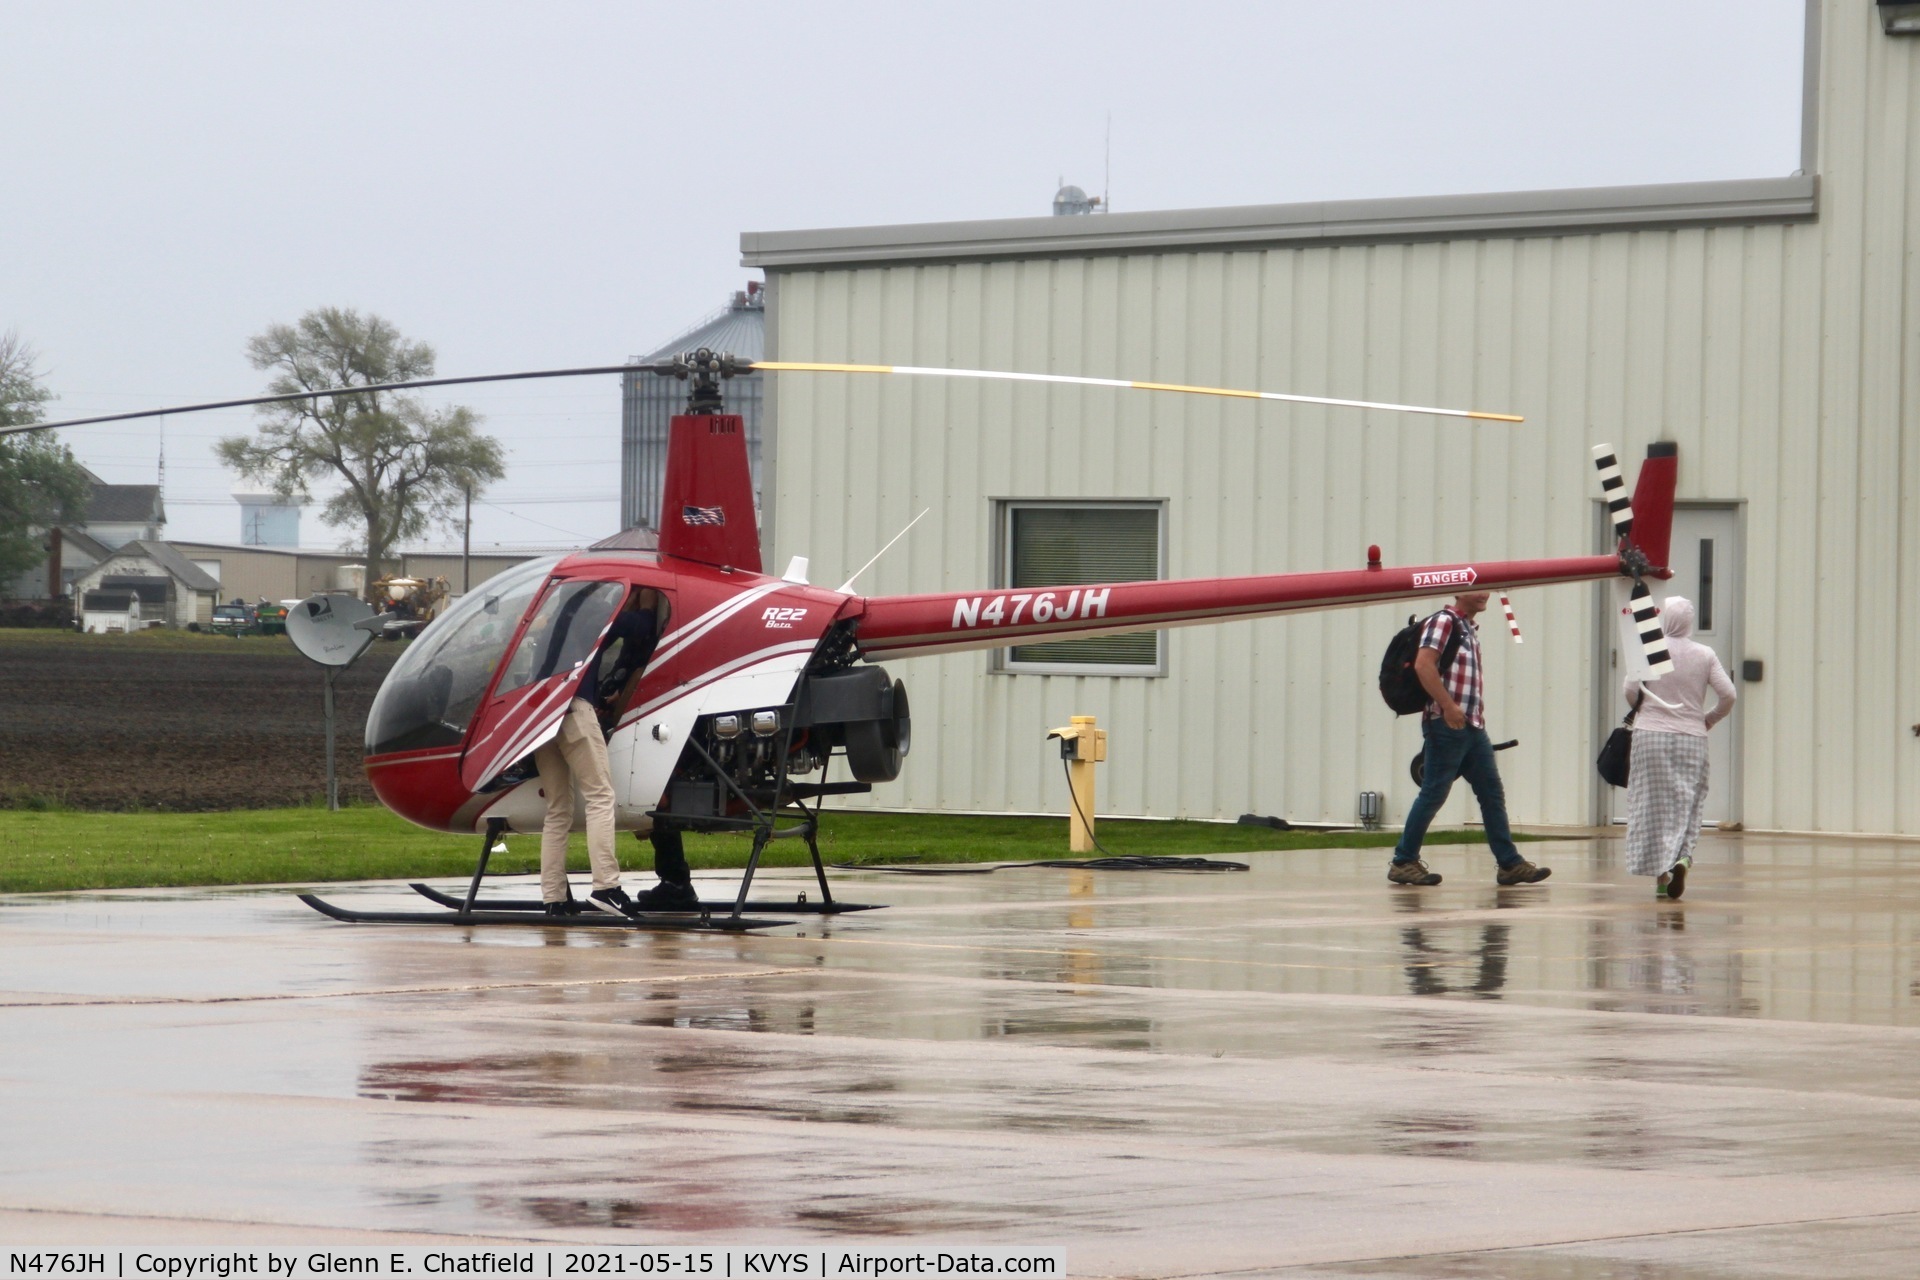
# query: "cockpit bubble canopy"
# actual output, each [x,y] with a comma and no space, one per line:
[430,696]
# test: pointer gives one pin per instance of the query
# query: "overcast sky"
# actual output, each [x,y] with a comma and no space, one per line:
[530,186]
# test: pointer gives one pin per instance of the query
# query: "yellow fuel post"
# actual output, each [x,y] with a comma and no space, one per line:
[1082,745]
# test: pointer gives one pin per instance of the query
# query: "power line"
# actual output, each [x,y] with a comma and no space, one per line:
[571,533]
[553,499]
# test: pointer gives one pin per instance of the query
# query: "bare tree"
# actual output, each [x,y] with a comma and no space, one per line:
[401,466]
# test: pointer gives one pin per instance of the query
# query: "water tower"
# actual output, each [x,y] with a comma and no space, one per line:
[268,520]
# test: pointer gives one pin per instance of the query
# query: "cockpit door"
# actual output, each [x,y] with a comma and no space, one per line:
[540,677]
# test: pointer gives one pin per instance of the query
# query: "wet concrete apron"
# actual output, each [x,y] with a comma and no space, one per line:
[1302,1069]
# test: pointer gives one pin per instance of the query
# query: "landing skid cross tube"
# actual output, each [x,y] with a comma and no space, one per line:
[764,823]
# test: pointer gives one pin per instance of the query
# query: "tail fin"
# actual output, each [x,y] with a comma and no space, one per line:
[706,504]
[1653,502]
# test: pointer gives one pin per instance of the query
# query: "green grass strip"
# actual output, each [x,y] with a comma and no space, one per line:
[60,850]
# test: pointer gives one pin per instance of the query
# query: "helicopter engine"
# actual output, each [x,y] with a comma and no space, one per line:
[860,712]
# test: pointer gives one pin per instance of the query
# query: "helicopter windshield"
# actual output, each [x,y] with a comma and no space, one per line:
[432,692]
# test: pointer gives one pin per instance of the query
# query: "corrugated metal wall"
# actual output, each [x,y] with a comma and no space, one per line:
[1785,360]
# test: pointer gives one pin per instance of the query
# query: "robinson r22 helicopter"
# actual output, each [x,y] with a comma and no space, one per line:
[757,682]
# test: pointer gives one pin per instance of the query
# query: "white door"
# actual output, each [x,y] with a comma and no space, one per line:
[1709,568]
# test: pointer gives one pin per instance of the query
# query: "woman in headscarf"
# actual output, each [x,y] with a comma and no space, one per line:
[1667,783]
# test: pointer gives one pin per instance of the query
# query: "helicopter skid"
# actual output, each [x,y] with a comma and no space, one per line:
[682,921]
[796,907]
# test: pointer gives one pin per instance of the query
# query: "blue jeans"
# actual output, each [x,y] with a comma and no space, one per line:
[1459,753]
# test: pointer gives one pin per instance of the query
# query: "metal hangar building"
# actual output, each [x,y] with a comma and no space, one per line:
[1769,326]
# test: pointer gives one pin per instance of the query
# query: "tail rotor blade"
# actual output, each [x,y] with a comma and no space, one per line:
[1613,488]
[1646,621]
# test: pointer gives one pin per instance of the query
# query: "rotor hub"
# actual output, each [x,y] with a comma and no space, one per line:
[705,369]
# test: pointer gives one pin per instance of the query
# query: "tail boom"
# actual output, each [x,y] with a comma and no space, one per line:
[905,626]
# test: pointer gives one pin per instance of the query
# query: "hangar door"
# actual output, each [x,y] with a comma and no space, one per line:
[1709,568]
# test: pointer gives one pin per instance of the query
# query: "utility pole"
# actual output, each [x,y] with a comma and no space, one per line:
[333,779]
[466,547]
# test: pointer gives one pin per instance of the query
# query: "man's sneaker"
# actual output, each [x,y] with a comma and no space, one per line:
[1414,872]
[569,907]
[1522,873]
[1677,883]
[668,896]
[614,901]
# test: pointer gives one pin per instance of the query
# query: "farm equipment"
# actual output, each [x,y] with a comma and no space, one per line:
[414,601]
[270,618]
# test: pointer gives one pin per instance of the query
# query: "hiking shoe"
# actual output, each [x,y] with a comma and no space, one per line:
[1522,873]
[668,896]
[1414,872]
[568,907]
[1677,882]
[614,901]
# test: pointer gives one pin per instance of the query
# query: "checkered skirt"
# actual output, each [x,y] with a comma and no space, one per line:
[1666,796]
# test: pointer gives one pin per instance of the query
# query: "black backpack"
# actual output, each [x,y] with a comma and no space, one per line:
[1398,684]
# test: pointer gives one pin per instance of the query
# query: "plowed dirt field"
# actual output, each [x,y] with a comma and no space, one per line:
[115,722]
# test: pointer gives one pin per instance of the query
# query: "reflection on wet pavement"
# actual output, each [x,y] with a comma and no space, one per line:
[1564,1079]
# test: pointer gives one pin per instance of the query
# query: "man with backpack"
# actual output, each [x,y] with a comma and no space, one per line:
[1455,728]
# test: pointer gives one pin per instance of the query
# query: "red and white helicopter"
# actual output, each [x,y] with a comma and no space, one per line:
[758,681]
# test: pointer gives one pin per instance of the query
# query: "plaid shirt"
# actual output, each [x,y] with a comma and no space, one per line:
[1462,679]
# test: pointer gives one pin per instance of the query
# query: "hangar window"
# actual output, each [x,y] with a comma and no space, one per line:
[1067,544]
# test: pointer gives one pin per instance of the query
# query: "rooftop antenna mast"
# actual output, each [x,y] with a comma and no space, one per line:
[1106,178]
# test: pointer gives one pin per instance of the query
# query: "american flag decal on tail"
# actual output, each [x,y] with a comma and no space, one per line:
[703,515]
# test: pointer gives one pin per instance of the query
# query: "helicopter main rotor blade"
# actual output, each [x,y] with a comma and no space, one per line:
[324,391]
[810,366]
[777,366]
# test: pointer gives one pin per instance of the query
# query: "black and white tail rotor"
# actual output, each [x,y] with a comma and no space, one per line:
[1642,638]
[1613,491]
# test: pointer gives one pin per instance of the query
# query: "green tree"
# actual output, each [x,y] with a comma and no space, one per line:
[40,483]
[401,466]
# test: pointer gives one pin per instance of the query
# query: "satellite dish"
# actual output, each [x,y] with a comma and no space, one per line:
[323,628]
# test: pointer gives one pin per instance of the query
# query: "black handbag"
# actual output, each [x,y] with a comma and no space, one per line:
[1616,757]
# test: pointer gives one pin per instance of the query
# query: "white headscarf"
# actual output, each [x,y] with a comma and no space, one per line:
[1676,617]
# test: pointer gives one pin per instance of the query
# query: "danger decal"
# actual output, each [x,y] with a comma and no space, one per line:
[1014,608]
[1447,578]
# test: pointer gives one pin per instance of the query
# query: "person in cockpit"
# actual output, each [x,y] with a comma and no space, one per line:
[576,758]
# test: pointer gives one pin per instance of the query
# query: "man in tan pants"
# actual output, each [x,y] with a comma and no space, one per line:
[576,759]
